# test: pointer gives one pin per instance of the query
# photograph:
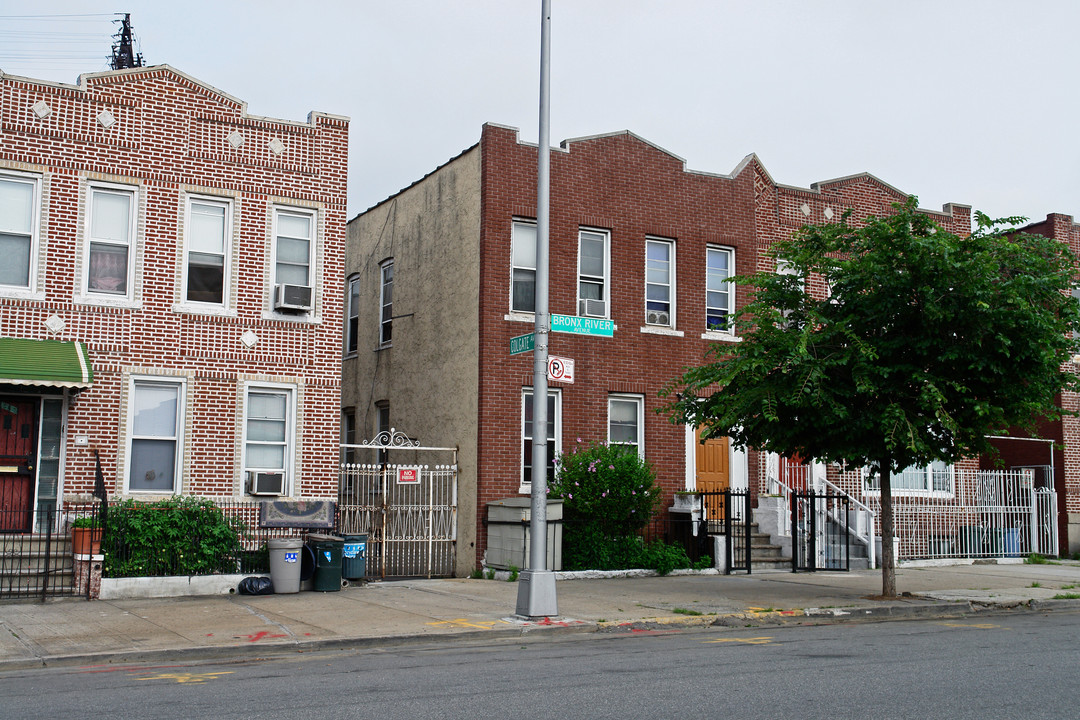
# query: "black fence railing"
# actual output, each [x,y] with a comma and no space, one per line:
[38,550]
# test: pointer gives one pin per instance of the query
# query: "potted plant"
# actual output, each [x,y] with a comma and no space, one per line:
[86,536]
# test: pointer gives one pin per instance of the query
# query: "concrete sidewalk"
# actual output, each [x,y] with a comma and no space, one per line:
[79,632]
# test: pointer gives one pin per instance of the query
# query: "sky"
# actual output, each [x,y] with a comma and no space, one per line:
[971,102]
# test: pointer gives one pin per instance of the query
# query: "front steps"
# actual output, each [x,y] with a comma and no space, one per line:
[33,565]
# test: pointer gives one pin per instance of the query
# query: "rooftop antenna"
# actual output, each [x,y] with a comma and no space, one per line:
[123,56]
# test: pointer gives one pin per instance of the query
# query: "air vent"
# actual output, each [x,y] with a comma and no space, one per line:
[292,297]
[266,483]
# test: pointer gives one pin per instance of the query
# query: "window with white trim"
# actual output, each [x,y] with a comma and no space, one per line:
[659,282]
[386,302]
[352,314]
[206,251]
[110,222]
[20,199]
[719,292]
[269,427]
[155,436]
[554,434]
[626,422]
[593,273]
[935,478]
[294,246]
[523,268]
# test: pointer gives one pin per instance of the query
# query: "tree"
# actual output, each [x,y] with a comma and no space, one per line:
[926,344]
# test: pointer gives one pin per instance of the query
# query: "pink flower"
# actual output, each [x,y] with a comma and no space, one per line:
[610,467]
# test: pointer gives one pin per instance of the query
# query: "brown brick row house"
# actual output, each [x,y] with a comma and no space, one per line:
[185,256]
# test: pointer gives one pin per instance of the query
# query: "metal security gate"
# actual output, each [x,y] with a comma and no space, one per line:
[408,510]
[821,539]
[728,512]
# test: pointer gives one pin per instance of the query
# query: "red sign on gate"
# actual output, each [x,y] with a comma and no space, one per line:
[408,475]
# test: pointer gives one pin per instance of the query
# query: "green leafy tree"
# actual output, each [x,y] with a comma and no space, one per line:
[927,343]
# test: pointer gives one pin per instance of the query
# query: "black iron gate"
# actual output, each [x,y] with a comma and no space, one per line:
[727,513]
[821,539]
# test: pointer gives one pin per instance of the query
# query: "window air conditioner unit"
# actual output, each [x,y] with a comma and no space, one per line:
[592,308]
[292,297]
[656,317]
[266,483]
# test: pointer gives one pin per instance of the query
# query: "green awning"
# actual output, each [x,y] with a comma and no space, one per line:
[52,363]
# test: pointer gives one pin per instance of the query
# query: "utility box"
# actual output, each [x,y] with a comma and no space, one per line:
[508,533]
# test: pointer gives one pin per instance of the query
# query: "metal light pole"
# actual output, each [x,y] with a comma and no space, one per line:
[536,585]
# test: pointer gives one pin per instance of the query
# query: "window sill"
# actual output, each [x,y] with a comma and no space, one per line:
[10,293]
[299,318]
[720,336]
[107,301]
[660,330]
[384,346]
[520,317]
[193,309]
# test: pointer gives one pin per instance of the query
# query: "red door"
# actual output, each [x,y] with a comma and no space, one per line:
[18,461]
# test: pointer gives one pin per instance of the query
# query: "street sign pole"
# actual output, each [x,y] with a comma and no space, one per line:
[536,585]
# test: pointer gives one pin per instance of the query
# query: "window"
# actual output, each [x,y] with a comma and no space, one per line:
[294,235]
[937,477]
[155,442]
[206,250]
[592,273]
[386,303]
[523,268]
[659,281]
[348,434]
[18,230]
[352,313]
[111,223]
[268,430]
[719,298]
[625,422]
[554,433]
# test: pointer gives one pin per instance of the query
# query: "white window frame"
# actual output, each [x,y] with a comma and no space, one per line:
[603,280]
[515,234]
[351,332]
[556,423]
[386,307]
[730,290]
[639,403]
[927,490]
[35,233]
[290,432]
[670,284]
[227,245]
[132,221]
[313,215]
[180,384]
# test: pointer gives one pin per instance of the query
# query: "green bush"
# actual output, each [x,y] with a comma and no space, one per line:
[610,496]
[176,536]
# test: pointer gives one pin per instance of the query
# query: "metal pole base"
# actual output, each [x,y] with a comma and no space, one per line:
[536,594]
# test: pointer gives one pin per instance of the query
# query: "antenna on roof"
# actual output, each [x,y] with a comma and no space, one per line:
[123,56]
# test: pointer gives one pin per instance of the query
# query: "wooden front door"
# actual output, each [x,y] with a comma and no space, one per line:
[18,462]
[712,463]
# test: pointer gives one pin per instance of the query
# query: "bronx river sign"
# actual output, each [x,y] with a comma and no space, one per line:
[598,327]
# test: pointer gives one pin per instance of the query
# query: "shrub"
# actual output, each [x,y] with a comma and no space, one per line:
[176,536]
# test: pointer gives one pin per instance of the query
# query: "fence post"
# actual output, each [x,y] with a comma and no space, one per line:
[811,543]
[794,532]
[747,532]
[729,550]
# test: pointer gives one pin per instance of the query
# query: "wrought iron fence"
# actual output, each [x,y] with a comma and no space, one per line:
[42,551]
[821,539]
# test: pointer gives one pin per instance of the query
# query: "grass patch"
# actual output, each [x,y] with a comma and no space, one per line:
[1035,559]
[1036,584]
[1067,596]
[684,611]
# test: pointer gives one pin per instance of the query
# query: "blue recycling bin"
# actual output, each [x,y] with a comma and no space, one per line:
[354,556]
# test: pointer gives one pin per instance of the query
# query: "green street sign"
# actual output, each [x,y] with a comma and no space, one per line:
[597,327]
[521,343]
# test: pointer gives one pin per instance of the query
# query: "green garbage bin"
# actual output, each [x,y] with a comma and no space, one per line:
[354,557]
[327,549]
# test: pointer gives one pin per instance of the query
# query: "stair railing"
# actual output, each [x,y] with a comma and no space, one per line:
[865,535]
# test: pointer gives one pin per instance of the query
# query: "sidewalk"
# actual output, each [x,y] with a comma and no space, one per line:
[78,632]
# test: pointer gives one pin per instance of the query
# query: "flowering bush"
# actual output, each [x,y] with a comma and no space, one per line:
[606,487]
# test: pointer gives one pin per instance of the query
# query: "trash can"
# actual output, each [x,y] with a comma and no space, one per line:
[354,557]
[327,549]
[285,564]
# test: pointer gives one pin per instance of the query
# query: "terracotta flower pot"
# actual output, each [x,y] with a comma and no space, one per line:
[86,541]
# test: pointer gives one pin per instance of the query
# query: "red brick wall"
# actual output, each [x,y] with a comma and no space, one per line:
[169,137]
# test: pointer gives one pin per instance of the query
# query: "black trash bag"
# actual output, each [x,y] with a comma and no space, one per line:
[256,586]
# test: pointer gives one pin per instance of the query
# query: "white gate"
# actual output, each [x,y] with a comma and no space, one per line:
[408,510]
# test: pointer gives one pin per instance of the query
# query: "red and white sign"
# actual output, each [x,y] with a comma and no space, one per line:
[561,369]
[408,475]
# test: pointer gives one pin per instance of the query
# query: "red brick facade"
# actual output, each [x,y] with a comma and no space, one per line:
[165,141]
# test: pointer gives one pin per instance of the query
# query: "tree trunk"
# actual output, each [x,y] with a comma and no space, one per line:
[888,565]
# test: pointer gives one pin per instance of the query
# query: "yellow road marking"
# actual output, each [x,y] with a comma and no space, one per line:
[746,641]
[188,677]
[980,626]
[465,623]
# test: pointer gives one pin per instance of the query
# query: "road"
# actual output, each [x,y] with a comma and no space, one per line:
[1020,665]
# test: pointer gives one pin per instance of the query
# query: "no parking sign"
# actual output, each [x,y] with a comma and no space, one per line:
[561,369]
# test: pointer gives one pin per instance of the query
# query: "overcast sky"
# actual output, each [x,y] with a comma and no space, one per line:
[973,102]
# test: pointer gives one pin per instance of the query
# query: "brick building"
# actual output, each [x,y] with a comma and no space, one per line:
[440,278]
[170,292]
